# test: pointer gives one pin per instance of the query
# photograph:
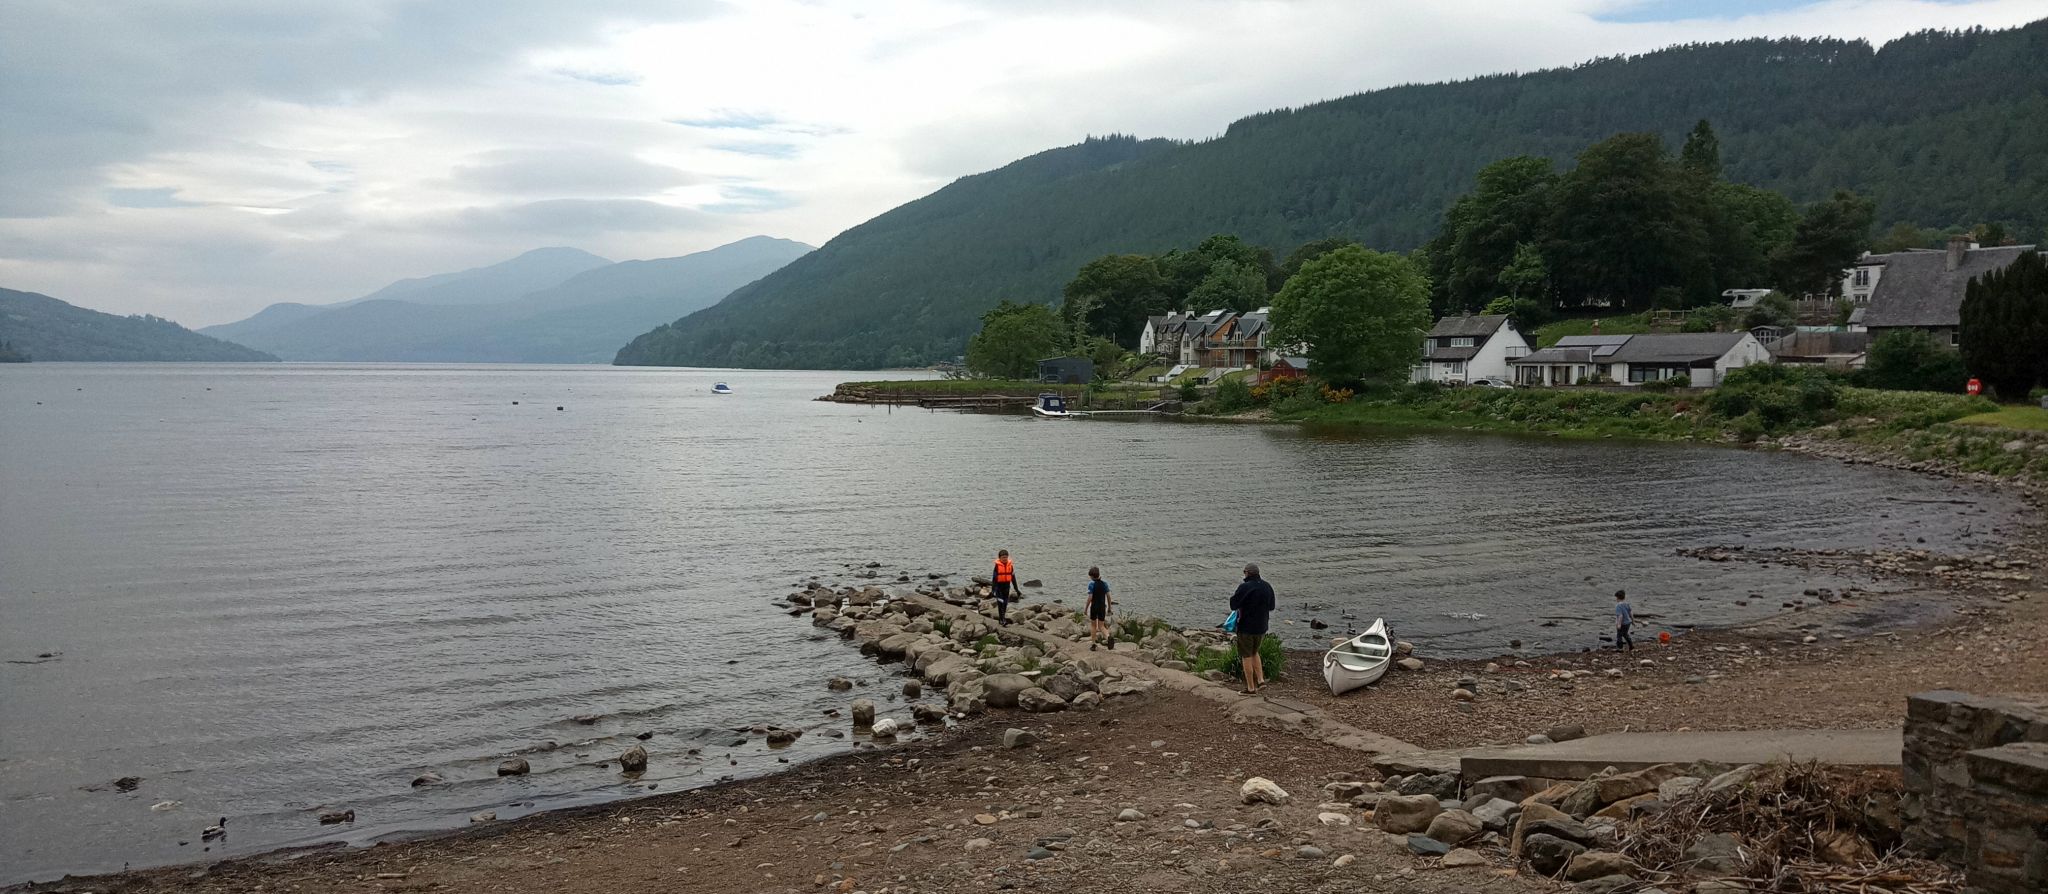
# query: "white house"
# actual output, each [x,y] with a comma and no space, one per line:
[1464,348]
[1162,334]
[1704,358]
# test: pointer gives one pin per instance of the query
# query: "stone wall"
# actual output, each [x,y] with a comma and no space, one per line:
[1976,777]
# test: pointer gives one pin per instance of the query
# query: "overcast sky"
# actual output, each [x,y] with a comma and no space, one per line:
[200,159]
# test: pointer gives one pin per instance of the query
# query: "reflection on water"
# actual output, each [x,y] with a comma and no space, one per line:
[275,588]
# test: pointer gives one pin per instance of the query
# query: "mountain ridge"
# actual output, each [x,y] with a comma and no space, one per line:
[51,329]
[1912,125]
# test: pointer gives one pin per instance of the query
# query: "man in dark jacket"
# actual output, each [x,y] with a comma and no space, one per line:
[1253,603]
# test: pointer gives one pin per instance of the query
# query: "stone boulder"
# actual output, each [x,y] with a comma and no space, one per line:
[1068,683]
[1014,738]
[863,712]
[1678,787]
[633,760]
[1402,814]
[1598,864]
[839,684]
[1001,690]
[924,712]
[1443,785]
[1719,853]
[1260,790]
[1086,701]
[1506,788]
[1550,854]
[1733,779]
[886,728]
[1622,786]
[1039,701]
[1497,814]
[516,766]
[1454,827]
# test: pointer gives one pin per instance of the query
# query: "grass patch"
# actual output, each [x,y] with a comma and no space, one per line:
[960,387]
[1628,324]
[2017,417]
[1565,413]
[1272,659]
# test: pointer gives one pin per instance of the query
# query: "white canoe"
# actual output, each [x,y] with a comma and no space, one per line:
[1360,660]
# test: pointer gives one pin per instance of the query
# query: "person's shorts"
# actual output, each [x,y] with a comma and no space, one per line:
[1098,611]
[1001,591]
[1248,644]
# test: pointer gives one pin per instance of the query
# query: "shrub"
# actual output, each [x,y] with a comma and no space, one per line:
[1778,397]
[1912,360]
[1189,393]
[1774,309]
[1272,659]
[1232,394]
[1336,395]
[1713,318]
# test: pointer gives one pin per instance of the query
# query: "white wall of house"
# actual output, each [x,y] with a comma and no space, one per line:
[1745,352]
[1148,338]
[1859,282]
[1492,360]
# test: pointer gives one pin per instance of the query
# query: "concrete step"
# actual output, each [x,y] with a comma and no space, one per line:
[1580,758]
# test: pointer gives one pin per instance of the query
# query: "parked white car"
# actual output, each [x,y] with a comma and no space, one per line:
[1492,383]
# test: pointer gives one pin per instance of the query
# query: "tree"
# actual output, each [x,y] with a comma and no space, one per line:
[1013,338]
[1231,285]
[1746,225]
[1483,231]
[1526,275]
[1902,236]
[1912,360]
[1113,295]
[1829,237]
[1771,310]
[1701,154]
[2004,334]
[1625,224]
[1990,234]
[1310,251]
[1361,314]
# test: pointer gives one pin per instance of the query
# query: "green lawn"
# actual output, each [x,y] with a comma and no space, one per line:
[2015,416]
[962,386]
[1628,324]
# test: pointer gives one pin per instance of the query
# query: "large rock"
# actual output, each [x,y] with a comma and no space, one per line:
[1506,788]
[1402,814]
[1565,732]
[515,766]
[863,712]
[633,760]
[1463,859]
[1497,814]
[1678,787]
[1443,785]
[1597,864]
[1086,701]
[1719,853]
[1018,738]
[1622,786]
[1583,800]
[924,712]
[1002,690]
[1454,827]
[1039,701]
[1733,779]
[1550,854]
[1563,827]
[895,645]
[1260,790]
[1067,684]
[1846,848]
[1425,846]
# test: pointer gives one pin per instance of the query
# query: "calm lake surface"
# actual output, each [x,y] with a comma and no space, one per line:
[270,588]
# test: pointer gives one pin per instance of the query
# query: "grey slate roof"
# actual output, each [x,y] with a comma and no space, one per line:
[1685,347]
[1460,326]
[1436,353]
[1558,353]
[1918,289]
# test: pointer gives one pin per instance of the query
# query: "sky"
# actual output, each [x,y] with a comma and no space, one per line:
[202,159]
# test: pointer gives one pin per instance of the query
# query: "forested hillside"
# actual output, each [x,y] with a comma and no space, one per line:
[44,328]
[1936,128]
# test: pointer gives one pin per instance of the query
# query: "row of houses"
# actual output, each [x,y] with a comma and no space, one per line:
[1915,289]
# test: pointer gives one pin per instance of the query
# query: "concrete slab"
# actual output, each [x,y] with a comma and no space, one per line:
[1581,758]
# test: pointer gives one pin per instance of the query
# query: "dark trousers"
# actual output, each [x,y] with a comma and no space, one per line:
[1621,638]
[1002,593]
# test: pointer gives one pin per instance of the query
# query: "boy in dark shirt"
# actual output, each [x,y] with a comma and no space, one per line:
[1098,610]
[1624,618]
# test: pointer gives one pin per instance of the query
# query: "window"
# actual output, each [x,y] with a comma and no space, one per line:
[1863,276]
[1464,341]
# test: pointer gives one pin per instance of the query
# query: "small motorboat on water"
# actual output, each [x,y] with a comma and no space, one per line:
[1052,406]
[721,388]
[1359,661]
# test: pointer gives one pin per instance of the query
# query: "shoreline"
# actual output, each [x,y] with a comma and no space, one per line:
[1763,671]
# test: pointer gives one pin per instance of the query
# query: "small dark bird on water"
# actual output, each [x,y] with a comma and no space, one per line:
[1317,625]
[214,831]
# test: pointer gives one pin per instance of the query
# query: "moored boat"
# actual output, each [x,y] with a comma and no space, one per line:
[1359,661]
[721,388]
[1052,406]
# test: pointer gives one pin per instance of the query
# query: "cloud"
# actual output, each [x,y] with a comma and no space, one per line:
[202,158]
[568,171]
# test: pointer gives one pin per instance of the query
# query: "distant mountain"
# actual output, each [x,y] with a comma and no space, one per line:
[45,328]
[1940,128]
[541,314]
[495,283]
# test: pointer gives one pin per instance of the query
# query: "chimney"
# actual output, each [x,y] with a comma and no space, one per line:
[1957,246]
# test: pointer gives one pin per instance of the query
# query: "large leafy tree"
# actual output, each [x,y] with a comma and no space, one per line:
[1230,285]
[1626,225]
[1745,225]
[1013,338]
[1115,293]
[1829,237]
[1911,360]
[1510,206]
[1701,154]
[1361,314]
[1310,251]
[2004,336]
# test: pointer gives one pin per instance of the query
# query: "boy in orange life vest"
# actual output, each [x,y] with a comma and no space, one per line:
[1004,578]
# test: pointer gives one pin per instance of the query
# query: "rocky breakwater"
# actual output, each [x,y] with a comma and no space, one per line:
[965,663]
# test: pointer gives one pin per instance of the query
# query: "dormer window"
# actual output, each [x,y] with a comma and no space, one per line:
[1462,341]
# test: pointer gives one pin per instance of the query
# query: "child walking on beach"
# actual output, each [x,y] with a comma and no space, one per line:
[1624,618]
[1098,610]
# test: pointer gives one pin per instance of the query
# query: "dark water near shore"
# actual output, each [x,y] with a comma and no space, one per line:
[273,588]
